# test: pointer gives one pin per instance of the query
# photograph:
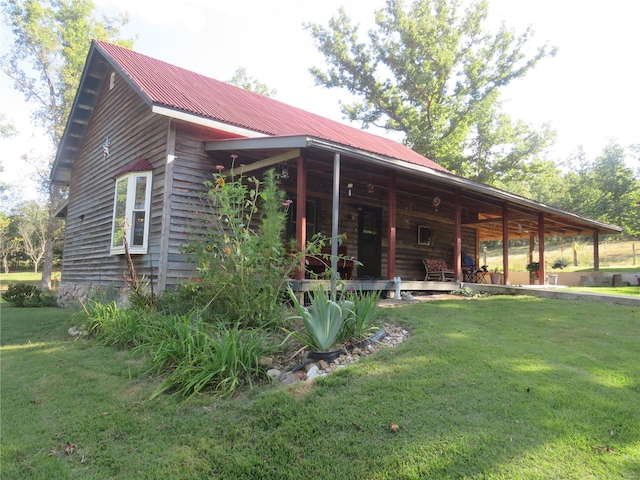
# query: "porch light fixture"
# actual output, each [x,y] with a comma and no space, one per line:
[349,186]
[370,185]
[284,173]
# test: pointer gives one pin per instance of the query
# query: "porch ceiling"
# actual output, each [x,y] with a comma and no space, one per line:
[482,206]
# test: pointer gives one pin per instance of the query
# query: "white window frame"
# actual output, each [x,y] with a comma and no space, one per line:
[130,211]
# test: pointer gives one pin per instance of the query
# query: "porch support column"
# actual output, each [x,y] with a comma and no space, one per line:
[596,251]
[457,246]
[301,213]
[505,242]
[541,247]
[532,243]
[335,211]
[391,248]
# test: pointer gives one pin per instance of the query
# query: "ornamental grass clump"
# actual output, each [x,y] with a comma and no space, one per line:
[198,357]
[361,322]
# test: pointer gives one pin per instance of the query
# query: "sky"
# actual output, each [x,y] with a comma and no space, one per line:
[588,92]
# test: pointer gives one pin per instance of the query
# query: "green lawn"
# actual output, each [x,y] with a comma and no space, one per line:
[486,388]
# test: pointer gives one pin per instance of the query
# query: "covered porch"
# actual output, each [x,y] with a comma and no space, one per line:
[394,214]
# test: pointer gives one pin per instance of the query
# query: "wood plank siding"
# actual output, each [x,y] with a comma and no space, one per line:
[133,132]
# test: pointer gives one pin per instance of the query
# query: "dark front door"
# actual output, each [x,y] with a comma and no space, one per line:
[369,242]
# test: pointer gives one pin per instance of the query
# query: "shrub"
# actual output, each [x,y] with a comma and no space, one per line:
[25,295]
[197,356]
[111,325]
[560,263]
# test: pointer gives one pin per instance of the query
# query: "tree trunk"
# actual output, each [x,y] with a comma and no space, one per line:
[55,199]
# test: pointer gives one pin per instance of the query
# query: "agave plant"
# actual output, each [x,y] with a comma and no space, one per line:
[323,321]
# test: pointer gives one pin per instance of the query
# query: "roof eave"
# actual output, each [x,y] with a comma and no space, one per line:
[305,141]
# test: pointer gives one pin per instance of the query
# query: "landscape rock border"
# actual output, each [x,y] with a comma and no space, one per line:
[394,334]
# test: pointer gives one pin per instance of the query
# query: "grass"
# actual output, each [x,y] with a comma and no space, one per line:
[625,291]
[488,388]
[24,277]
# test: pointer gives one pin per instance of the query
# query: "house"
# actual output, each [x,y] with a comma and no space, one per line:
[144,135]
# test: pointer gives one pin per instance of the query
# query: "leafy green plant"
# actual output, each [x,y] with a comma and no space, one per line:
[242,272]
[560,263]
[324,320]
[111,325]
[198,357]
[533,267]
[26,295]
[363,313]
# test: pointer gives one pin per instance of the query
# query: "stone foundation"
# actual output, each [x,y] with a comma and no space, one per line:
[69,293]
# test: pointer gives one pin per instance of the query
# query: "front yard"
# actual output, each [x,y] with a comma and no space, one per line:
[495,387]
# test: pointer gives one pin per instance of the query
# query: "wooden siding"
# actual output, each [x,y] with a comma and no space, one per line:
[133,132]
[191,168]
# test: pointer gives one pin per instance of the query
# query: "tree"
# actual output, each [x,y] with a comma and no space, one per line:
[32,229]
[247,82]
[49,45]
[10,243]
[430,72]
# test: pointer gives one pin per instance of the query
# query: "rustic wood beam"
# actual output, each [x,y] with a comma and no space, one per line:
[301,213]
[391,244]
[541,246]
[596,251]
[267,162]
[457,247]
[505,242]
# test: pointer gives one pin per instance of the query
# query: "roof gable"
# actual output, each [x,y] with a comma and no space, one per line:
[166,85]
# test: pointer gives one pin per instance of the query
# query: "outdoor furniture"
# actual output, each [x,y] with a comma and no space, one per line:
[473,274]
[437,270]
[319,264]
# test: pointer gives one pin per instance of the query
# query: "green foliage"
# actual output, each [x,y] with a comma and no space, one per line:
[329,321]
[191,354]
[560,263]
[112,325]
[247,82]
[432,72]
[358,325]
[197,357]
[324,320]
[26,295]
[48,50]
[242,271]
[533,267]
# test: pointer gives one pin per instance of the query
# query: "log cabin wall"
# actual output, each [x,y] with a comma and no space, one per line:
[134,132]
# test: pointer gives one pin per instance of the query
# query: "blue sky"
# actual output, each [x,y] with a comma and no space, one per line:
[588,92]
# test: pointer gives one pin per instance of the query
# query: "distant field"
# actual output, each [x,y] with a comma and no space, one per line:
[613,256]
[24,277]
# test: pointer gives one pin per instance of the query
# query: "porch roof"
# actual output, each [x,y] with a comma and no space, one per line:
[483,205]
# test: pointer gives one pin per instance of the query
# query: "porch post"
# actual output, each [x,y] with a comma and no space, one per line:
[457,246]
[391,247]
[301,213]
[596,251]
[505,242]
[541,247]
[532,243]
[335,211]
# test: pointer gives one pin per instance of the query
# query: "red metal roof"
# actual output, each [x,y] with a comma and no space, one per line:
[174,87]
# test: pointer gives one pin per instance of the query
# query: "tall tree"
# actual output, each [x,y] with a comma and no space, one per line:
[32,230]
[48,48]
[243,80]
[430,71]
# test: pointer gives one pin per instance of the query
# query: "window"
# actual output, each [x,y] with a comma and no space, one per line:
[131,213]
[313,218]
